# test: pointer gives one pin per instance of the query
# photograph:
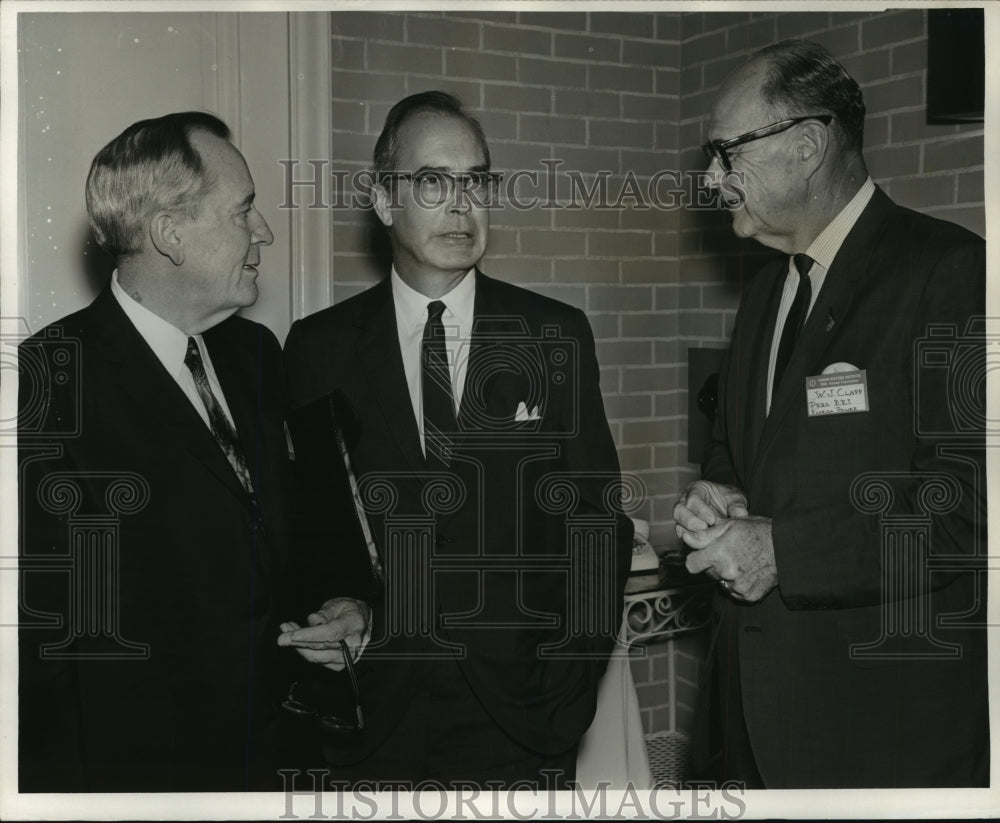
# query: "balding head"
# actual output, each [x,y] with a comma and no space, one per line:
[801,77]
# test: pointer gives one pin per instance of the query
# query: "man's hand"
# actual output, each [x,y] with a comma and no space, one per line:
[342,618]
[704,504]
[739,553]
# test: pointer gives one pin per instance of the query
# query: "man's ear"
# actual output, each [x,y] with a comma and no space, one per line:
[814,142]
[383,203]
[165,238]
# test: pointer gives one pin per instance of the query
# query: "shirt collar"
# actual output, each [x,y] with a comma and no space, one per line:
[167,341]
[411,305]
[825,247]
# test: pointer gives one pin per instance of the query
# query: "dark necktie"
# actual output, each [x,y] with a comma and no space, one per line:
[222,429]
[435,376]
[796,317]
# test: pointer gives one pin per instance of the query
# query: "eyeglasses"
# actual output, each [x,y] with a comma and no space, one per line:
[432,187]
[718,149]
[312,705]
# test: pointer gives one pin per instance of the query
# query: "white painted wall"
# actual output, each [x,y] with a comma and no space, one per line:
[84,77]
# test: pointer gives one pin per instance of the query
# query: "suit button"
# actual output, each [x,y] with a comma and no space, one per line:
[257,523]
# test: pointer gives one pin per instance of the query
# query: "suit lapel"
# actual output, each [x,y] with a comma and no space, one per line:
[755,363]
[829,313]
[476,392]
[496,381]
[381,365]
[488,404]
[141,376]
[237,373]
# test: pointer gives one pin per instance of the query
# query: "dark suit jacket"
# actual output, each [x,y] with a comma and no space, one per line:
[816,714]
[165,665]
[530,548]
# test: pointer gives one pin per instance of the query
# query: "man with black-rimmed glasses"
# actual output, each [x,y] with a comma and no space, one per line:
[480,445]
[842,505]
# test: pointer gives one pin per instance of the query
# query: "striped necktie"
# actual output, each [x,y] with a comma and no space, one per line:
[222,429]
[435,376]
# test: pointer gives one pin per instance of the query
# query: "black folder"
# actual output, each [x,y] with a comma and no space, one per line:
[334,550]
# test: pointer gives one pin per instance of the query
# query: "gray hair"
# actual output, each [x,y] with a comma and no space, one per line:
[149,167]
[804,78]
[427,102]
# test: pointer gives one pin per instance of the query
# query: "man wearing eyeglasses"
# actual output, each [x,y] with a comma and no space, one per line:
[486,464]
[842,502]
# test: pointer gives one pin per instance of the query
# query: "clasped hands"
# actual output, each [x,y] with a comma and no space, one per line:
[342,618]
[729,544]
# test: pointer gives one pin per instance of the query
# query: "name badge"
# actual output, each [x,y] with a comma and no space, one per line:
[840,393]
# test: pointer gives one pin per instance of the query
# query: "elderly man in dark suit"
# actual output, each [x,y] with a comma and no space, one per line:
[474,420]
[842,502]
[153,471]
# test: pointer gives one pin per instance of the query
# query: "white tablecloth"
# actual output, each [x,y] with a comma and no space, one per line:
[614,748]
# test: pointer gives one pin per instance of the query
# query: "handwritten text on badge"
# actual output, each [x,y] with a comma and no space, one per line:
[840,393]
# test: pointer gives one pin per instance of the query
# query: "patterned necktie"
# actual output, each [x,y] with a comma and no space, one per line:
[796,317]
[222,429]
[435,376]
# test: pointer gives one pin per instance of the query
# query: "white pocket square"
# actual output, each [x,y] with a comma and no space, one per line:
[522,415]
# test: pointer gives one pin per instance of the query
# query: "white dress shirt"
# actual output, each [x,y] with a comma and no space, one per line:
[411,317]
[822,250]
[169,344]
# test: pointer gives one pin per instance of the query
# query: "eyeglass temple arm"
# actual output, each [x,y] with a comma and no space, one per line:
[349,663]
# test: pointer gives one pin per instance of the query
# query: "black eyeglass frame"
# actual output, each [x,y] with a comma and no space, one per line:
[717,149]
[293,705]
[454,177]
